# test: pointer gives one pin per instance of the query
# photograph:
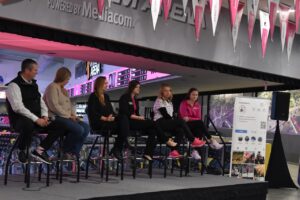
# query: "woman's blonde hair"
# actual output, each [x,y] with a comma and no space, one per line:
[62,74]
[98,89]
[161,91]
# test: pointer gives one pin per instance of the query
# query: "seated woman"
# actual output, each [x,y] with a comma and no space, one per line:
[163,115]
[190,111]
[130,119]
[60,107]
[100,111]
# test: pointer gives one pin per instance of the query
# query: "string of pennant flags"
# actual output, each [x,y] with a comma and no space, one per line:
[236,9]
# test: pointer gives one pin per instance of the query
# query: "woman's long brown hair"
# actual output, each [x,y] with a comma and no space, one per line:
[98,89]
[62,75]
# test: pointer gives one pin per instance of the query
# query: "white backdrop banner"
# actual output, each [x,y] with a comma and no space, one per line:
[249,138]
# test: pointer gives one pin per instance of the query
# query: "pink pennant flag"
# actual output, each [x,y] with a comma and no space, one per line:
[252,6]
[198,7]
[297,13]
[167,6]
[233,7]
[284,17]
[236,26]
[273,7]
[101,4]
[264,30]
[291,30]
[215,7]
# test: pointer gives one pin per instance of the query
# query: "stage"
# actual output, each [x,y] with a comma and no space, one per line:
[194,187]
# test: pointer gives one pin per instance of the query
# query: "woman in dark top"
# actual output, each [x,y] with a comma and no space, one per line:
[100,110]
[130,119]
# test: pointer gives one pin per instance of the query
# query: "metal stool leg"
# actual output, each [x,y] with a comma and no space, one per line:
[28,168]
[89,157]
[150,168]
[122,168]
[61,159]
[78,168]
[107,156]
[40,172]
[8,160]
[48,176]
[102,158]
[134,158]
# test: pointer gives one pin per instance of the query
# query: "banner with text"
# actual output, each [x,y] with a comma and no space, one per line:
[249,138]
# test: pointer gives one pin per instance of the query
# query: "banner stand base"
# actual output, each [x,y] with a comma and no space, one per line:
[278,175]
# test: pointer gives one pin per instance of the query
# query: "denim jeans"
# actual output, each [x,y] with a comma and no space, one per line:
[76,132]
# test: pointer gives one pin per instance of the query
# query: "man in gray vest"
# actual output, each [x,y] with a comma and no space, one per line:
[28,112]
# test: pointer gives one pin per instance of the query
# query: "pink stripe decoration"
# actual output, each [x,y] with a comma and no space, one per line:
[167,6]
[101,4]
[273,15]
[233,7]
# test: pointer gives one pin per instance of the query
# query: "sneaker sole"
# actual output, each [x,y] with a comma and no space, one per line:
[40,159]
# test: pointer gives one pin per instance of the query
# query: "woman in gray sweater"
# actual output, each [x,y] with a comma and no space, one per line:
[60,107]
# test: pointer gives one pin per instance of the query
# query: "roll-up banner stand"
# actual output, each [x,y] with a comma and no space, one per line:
[249,138]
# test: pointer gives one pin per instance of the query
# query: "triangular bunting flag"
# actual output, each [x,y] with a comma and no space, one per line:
[284,17]
[233,7]
[101,4]
[199,8]
[167,6]
[215,7]
[252,6]
[184,5]
[291,30]
[297,13]
[109,3]
[273,7]
[264,30]
[155,9]
[236,26]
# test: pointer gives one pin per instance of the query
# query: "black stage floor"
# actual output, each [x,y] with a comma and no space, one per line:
[193,187]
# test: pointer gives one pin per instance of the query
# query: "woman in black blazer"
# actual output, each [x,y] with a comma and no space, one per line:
[130,119]
[100,110]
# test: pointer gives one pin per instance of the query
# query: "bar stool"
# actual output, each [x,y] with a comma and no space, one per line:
[27,165]
[104,134]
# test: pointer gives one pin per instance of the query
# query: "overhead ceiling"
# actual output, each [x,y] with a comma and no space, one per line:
[16,48]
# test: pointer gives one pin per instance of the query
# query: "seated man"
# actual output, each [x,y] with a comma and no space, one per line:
[28,112]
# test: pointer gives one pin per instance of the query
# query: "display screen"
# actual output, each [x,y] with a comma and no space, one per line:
[93,69]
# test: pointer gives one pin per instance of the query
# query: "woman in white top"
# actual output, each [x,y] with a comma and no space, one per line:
[163,115]
[60,108]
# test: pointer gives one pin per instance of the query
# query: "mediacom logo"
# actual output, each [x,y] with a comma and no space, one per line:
[88,10]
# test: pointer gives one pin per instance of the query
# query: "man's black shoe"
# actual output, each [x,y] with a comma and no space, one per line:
[44,157]
[22,156]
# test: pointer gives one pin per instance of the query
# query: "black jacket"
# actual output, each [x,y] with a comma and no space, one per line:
[126,105]
[95,110]
[31,98]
